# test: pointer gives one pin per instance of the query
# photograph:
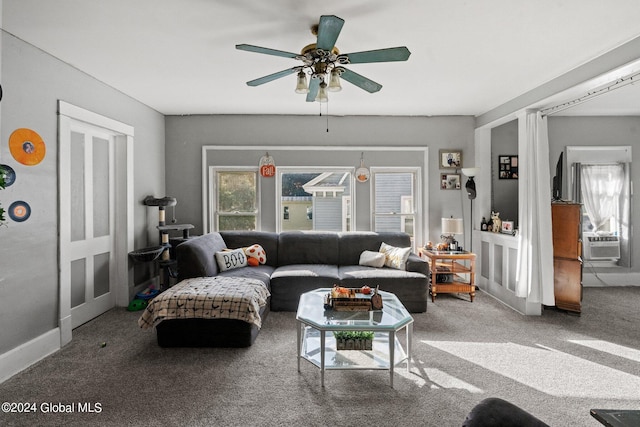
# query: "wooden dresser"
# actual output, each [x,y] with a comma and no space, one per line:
[567,255]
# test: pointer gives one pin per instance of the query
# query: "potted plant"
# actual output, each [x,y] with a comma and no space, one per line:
[353,340]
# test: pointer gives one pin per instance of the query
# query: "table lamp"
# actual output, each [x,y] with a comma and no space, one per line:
[451,227]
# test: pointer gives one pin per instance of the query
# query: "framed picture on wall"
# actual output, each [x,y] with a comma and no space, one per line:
[450,159]
[450,181]
[508,167]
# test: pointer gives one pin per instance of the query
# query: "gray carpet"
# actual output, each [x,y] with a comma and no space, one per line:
[556,366]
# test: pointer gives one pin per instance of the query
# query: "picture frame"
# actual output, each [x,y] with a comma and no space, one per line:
[507,227]
[450,181]
[507,167]
[450,159]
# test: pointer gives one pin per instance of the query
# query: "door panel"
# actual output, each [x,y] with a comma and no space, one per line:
[95,175]
[92,235]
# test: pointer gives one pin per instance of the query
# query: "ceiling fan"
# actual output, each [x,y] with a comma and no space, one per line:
[324,62]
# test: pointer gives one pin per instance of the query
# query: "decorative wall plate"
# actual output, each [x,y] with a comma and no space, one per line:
[27,147]
[19,211]
[8,174]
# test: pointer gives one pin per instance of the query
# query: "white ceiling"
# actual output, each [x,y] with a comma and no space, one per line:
[468,57]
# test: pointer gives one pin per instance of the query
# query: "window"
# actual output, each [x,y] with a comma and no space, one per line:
[314,199]
[600,179]
[601,191]
[235,199]
[394,200]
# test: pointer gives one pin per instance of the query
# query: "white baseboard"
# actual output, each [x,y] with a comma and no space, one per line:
[610,279]
[25,355]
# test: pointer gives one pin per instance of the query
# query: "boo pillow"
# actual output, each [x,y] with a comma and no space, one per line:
[372,259]
[231,259]
[395,257]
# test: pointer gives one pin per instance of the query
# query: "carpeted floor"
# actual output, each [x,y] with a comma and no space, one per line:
[556,366]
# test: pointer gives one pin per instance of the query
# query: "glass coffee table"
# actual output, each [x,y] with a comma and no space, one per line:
[319,348]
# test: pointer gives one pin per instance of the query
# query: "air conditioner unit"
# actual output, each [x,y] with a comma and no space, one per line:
[601,247]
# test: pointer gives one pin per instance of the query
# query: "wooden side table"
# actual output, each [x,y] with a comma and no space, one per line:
[459,268]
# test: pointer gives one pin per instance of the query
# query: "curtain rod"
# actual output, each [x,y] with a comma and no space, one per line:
[617,84]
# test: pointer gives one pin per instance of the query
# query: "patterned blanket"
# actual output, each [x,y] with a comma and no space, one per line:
[208,298]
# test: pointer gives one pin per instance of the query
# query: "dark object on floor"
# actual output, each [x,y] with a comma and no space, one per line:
[496,412]
[617,417]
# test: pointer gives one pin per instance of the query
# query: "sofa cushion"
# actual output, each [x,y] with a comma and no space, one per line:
[372,259]
[290,281]
[307,247]
[195,256]
[410,287]
[395,257]
[230,259]
[260,272]
[354,242]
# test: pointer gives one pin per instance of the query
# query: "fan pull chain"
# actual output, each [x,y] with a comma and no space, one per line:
[327,117]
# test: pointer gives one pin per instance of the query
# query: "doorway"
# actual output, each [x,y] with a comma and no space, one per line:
[95,215]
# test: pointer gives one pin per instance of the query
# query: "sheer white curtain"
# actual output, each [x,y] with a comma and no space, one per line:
[601,189]
[534,275]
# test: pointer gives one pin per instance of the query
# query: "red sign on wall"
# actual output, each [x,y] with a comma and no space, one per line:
[268,171]
[267,166]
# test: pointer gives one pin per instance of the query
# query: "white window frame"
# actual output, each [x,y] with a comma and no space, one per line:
[213,194]
[314,169]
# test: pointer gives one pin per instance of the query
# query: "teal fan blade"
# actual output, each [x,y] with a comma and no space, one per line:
[379,55]
[314,85]
[274,76]
[360,81]
[328,30]
[266,50]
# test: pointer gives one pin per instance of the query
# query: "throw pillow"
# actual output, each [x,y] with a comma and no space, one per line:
[372,259]
[255,255]
[231,259]
[395,257]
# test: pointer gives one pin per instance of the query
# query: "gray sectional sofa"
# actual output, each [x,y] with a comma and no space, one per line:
[296,262]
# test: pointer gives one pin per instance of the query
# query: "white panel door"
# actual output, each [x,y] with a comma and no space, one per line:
[90,214]
[95,177]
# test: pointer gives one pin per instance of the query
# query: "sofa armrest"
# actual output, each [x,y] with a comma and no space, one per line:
[417,264]
[196,256]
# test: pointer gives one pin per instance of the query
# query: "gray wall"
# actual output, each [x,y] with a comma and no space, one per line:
[599,131]
[33,82]
[185,136]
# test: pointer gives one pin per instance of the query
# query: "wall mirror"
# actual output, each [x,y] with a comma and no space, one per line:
[504,185]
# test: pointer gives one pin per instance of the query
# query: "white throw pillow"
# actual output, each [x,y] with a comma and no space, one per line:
[231,259]
[395,257]
[372,259]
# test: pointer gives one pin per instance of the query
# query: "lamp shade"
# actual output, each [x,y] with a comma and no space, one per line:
[451,226]
[322,93]
[470,172]
[302,86]
[334,81]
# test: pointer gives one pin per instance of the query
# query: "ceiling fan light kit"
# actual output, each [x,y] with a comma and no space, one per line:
[302,86]
[324,63]
[322,95]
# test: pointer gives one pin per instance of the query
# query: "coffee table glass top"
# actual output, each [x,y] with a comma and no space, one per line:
[311,311]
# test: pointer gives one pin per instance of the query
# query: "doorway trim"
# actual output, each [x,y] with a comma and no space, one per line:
[124,239]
